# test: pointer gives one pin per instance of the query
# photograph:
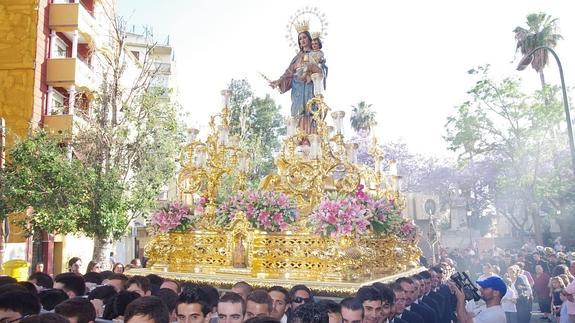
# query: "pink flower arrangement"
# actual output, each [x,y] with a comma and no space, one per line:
[176,217]
[358,214]
[269,211]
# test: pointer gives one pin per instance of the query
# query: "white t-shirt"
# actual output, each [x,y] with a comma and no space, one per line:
[493,314]
[508,301]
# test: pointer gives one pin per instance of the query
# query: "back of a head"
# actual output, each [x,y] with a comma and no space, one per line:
[332,306]
[169,297]
[93,277]
[213,295]
[242,288]
[104,293]
[106,274]
[151,307]
[22,302]
[4,280]
[41,280]
[142,282]
[155,279]
[72,283]
[45,318]
[311,312]
[79,308]
[49,298]
[29,287]
[116,306]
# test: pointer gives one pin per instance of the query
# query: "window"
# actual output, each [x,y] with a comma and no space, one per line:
[60,48]
[57,103]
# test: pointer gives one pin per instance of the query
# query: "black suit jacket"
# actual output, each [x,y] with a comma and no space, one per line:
[440,300]
[425,312]
[411,317]
[397,320]
[433,311]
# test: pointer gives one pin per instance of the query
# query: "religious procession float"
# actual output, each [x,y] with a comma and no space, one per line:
[320,219]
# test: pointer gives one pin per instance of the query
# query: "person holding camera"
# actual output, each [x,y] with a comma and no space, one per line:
[492,291]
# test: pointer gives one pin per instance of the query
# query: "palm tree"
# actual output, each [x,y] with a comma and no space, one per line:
[362,117]
[542,31]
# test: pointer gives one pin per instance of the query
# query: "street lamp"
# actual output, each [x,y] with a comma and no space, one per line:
[525,61]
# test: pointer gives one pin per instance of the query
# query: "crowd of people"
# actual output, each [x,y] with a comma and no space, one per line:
[429,296]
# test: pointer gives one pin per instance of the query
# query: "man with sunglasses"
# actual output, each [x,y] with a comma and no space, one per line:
[299,295]
[16,305]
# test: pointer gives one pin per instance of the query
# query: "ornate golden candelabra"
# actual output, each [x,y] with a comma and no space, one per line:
[205,163]
[377,182]
[311,165]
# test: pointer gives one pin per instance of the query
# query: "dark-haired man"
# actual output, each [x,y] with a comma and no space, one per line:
[401,314]
[41,280]
[258,304]
[193,306]
[149,309]
[281,301]
[140,285]
[372,303]
[118,281]
[351,310]
[14,305]
[77,310]
[231,308]
[411,296]
[299,295]
[73,284]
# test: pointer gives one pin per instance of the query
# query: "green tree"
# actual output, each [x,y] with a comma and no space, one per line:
[41,181]
[362,117]
[259,123]
[520,135]
[130,143]
[541,31]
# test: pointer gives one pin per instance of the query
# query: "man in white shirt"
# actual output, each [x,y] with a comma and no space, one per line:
[492,291]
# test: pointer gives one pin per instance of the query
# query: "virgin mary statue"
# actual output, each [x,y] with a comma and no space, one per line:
[296,79]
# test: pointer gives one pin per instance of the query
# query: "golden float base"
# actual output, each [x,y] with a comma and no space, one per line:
[226,281]
[330,266]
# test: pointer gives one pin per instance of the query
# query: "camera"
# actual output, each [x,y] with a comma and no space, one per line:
[466,285]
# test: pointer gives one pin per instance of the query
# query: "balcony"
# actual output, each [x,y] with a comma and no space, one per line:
[66,72]
[64,125]
[67,17]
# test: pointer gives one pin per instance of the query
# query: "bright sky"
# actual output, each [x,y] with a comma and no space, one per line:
[407,58]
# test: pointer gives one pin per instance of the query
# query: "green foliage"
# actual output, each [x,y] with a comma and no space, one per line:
[259,123]
[131,159]
[521,137]
[39,175]
[362,117]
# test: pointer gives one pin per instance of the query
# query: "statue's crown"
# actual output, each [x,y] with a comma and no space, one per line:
[315,34]
[301,26]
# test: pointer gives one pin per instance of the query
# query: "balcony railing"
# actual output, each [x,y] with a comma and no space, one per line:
[65,17]
[65,126]
[67,72]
